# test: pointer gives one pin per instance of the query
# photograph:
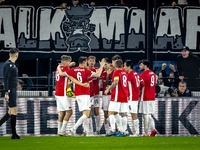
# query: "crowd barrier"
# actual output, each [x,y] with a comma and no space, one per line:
[38,117]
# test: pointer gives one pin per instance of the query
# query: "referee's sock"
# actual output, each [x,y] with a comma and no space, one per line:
[4,119]
[13,124]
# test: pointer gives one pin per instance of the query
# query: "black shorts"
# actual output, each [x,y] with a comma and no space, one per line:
[12,97]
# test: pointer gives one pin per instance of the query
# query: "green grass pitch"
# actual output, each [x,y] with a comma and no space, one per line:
[100,143]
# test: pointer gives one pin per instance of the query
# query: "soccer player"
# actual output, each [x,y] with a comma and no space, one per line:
[81,73]
[119,98]
[107,80]
[147,103]
[63,103]
[10,73]
[94,93]
[134,90]
[118,117]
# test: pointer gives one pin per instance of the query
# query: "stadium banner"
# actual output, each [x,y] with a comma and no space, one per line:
[48,29]
[38,117]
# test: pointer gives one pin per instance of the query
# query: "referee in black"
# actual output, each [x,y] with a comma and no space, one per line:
[10,73]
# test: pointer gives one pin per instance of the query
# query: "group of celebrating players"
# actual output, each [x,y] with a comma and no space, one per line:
[123,88]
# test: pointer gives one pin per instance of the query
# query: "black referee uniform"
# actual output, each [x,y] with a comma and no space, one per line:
[10,73]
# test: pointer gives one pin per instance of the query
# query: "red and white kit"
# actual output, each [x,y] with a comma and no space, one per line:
[119,94]
[147,104]
[95,99]
[105,98]
[62,100]
[134,91]
[82,93]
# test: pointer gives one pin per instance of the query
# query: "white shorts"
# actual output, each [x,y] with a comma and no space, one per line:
[83,102]
[133,107]
[147,107]
[118,107]
[105,102]
[63,103]
[95,101]
[92,100]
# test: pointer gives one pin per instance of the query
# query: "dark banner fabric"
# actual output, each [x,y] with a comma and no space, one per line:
[38,117]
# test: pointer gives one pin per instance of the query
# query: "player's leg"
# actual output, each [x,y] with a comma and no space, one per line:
[133,110]
[112,112]
[67,107]
[123,113]
[59,100]
[118,119]
[84,106]
[105,104]
[66,120]
[135,123]
[60,121]
[96,113]
[144,110]
[146,127]
[151,120]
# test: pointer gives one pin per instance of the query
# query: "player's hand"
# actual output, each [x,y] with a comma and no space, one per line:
[164,65]
[109,71]
[106,91]
[72,64]
[7,97]
[102,63]
[85,84]
[172,67]
[181,77]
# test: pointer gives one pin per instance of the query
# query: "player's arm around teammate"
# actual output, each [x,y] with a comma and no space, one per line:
[61,73]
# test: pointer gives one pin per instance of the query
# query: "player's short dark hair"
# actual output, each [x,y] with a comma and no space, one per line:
[145,62]
[91,57]
[14,51]
[119,63]
[107,60]
[129,63]
[114,58]
[66,58]
[82,59]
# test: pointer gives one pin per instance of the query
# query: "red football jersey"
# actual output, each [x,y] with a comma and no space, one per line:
[61,83]
[103,76]
[95,82]
[148,90]
[120,92]
[91,86]
[82,75]
[134,85]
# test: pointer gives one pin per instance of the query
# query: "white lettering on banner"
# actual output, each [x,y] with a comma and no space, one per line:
[6,27]
[137,17]
[38,117]
[24,21]
[50,25]
[169,18]
[107,26]
[193,27]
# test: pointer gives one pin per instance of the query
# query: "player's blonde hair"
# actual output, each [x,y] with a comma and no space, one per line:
[66,58]
[91,57]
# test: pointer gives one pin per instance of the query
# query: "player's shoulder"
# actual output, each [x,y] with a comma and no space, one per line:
[96,68]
